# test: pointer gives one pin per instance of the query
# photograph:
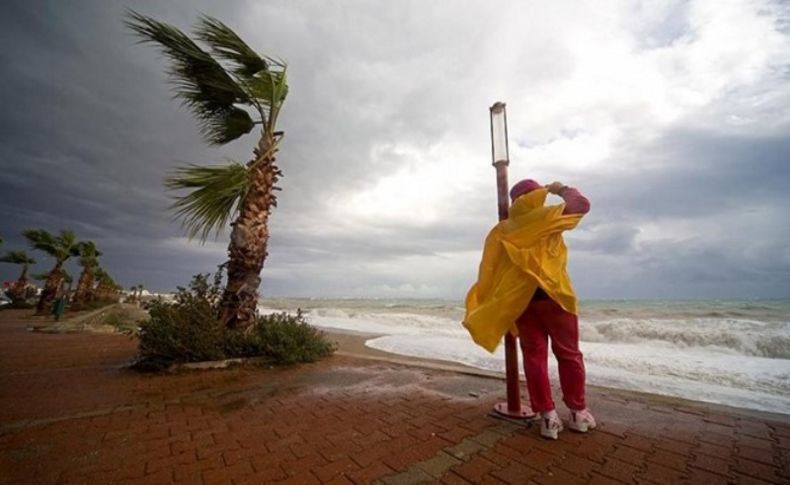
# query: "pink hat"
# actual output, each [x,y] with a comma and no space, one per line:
[523,187]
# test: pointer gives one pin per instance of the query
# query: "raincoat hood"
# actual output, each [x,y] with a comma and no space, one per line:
[521,253]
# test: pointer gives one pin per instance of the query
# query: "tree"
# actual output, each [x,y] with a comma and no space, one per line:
[17,292]
[133,293]
[106,288]
[89,260]
[60,247]
[222,86]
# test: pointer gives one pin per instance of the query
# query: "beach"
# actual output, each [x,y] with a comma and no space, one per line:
[71,412]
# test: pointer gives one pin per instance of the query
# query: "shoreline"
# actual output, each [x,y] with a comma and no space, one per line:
[352,344]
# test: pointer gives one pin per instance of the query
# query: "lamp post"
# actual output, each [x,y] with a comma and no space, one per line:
[512,408]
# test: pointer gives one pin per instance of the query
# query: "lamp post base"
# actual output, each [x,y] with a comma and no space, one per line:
[524,412]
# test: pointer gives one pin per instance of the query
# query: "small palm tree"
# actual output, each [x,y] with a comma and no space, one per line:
[60,247]
[106,288]
[132,294]
[222,86]
[18,289]
[89,260]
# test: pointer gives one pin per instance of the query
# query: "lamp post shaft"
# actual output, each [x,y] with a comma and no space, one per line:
[512,408]
[511,351]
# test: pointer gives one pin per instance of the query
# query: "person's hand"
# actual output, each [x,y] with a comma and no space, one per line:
[555,187]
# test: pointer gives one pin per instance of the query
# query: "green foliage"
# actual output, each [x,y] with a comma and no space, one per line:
[40,276]
[67,278]
[228,46]
[17,257]
[88,253]
[60,247]
[287,339]
[188,330]
[216,194]
[200,81]
[104,279]
[221,85]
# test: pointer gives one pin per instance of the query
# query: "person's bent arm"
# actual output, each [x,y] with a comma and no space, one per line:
[575,202]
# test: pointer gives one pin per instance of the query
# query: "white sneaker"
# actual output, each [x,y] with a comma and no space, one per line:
[550,425]
[581,421]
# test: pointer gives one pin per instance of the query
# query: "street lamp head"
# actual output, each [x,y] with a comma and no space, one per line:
[499,148]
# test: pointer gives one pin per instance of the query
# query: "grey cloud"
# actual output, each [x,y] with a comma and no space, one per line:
[89,129]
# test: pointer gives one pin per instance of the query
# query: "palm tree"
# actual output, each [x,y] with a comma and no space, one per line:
[89,260]
[222,86]
[132,294]
[17,290]
[106,288]
[60,247]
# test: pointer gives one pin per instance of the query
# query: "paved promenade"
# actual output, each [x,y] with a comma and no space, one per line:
[70,413]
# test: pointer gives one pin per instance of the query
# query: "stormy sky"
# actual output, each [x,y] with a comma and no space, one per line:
[672,117]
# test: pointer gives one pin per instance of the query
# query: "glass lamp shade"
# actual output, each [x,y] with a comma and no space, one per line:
[499,152]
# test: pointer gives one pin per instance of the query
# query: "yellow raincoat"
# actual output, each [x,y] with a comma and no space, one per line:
[521,253]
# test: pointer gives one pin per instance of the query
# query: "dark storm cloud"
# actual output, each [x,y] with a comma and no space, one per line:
[75,147]
[88,130]
[694,174]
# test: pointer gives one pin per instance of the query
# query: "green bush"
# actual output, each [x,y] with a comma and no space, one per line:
[188,330]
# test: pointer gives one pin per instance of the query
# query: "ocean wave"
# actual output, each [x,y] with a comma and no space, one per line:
[747,337]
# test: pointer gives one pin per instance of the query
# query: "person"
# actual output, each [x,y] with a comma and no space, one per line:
[59,306]
[523,287]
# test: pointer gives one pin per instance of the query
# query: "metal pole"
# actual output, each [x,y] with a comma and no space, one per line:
[512,408]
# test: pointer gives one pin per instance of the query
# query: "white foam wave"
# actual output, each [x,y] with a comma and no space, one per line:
[746,337]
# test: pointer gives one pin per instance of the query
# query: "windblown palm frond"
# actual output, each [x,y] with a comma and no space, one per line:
[103,278]
[60,247]
[17,257]
[200,81]
[216,192]
[41,240]
[88,253]
[270,89]
[226,45]
[100,274]
[40,276]
[43,276]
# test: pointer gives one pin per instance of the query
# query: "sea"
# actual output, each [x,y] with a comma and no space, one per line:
[731,352]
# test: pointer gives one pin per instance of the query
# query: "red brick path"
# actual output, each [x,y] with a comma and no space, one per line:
[69,413]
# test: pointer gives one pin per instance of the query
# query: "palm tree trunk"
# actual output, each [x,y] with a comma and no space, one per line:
[50,291]
[84,285]
[248,241]
[17,290]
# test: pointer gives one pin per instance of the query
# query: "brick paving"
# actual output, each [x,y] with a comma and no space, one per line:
[70,413]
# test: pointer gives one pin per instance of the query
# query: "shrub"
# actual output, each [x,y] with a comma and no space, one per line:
[282,339]
[189,330]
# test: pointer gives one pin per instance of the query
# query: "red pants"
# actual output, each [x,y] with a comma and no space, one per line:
[542,319]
